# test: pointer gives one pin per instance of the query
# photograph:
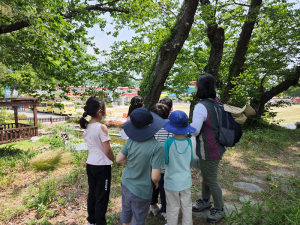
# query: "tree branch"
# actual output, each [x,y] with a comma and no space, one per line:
[25,23]
[216,38]
[153,83]
[118,75]
[241,4]
[238,61]
[292,80]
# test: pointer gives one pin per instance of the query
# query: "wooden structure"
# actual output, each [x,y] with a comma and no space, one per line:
[18,131]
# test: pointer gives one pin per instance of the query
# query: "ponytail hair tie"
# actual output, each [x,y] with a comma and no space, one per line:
[84,114]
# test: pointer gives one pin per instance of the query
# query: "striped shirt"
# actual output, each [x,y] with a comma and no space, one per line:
[161,136]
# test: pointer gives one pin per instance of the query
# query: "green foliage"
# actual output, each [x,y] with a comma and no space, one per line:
[271,139]
[74,120]
[275,209]
[293,92]
[51,51]
[55,142]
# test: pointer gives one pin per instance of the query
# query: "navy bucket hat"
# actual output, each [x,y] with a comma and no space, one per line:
[178,123]
[143,124]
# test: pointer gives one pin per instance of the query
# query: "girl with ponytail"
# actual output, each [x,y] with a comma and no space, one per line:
[135,103]
[98,164]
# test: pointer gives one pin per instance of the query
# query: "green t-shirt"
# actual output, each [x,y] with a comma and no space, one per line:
[143,156]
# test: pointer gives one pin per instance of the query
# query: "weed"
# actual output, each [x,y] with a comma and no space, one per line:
[111,219]
[196,189]
[31,222]
[275,209]
[45,221]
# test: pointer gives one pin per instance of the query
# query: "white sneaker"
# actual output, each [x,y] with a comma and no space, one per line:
[153,212]
[163,216]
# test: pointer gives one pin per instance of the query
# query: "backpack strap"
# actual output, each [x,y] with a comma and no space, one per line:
[219,112]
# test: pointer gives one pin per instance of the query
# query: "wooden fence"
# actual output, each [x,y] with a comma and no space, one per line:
[44,120]
[10,132]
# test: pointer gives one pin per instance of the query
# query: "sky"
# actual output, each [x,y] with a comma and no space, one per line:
[104,41]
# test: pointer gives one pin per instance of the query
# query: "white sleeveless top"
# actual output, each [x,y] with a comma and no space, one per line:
[94,138]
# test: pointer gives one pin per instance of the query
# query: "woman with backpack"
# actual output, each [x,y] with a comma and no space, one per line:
[209,151]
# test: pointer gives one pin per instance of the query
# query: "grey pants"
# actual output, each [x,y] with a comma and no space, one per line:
[210,184]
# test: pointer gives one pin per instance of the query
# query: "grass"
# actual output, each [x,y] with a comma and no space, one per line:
[50,187]
[287,115]
[51,159]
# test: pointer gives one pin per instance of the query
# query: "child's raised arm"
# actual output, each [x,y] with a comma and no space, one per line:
[106,145]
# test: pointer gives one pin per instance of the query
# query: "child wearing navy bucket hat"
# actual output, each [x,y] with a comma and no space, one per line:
[178,178]
[143,156]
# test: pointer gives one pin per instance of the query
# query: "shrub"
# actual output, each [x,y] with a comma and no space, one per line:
[114,123]
[109,106]
[22,116]
[40,125]
[74,120]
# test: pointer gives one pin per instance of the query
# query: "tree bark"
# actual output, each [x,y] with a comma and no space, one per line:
[153,83]
[26,22]
[237,64]
[292,80]
[216,38]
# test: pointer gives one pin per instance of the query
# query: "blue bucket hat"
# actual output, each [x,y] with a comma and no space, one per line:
[143,124]
[178,123]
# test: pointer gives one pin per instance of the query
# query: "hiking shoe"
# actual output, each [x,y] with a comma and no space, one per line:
[215,215]
[163,216]
[201,205]
[153,212]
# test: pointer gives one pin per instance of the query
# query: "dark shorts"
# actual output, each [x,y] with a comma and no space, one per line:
[133,205]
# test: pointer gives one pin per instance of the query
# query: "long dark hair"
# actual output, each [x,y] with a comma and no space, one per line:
[161,110]
[206,86]
[92,105]
[136,102]
[167,101]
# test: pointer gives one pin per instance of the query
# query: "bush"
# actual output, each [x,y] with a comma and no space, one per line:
[74,120]
[77,103]
[114,123]
[109,106]
[32,123]
[22,116]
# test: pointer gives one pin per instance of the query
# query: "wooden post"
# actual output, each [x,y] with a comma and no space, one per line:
[35,120]
[16,116]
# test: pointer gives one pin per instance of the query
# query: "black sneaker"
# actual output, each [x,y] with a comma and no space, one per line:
[215,215]
[201,205]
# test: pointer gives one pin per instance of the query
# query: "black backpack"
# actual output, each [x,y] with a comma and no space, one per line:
[230,132]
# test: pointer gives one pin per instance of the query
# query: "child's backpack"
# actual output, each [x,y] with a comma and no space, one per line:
[230,132]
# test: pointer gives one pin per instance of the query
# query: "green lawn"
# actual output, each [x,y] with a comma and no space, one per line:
[287,115]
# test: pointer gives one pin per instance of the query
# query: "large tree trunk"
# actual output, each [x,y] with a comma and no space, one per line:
[153,83]
[216,38]
[292,80]
[238,61]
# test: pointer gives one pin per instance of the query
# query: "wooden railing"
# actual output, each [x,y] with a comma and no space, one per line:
[48,119]
[12,132]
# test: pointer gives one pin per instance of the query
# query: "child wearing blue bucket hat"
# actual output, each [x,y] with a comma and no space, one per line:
[144,158]
[178,178]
